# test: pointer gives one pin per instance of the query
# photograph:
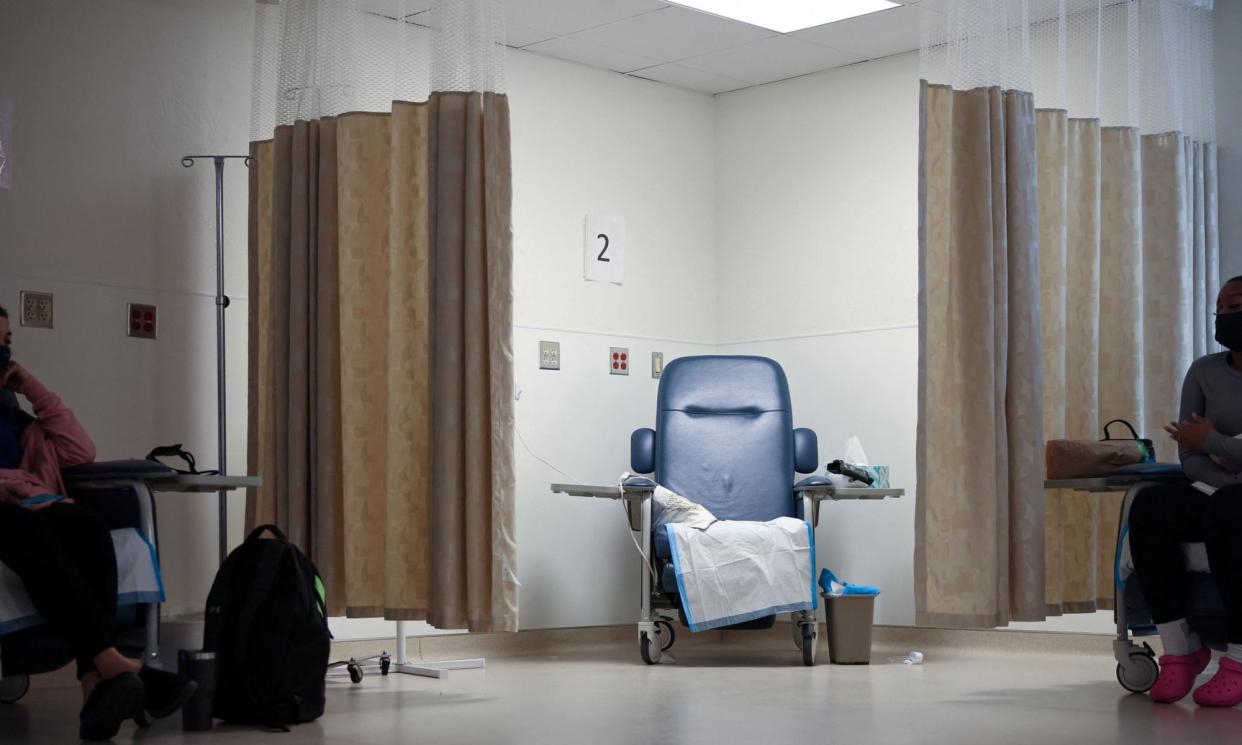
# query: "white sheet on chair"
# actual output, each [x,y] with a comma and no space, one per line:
[138,581]
[735,571]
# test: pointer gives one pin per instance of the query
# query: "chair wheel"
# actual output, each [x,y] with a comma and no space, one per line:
[809,635]
[1139,674]
[385,663]
[650,652]
[355,672]
[667,632]
[13,688]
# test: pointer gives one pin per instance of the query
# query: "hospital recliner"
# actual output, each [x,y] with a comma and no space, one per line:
[724,438]
[124,502]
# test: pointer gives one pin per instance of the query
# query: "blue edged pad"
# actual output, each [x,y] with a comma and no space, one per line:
[1150,469]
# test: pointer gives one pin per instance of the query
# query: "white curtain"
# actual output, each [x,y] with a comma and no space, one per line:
[1098,130]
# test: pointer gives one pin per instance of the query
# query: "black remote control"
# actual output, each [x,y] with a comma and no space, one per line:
[855,473]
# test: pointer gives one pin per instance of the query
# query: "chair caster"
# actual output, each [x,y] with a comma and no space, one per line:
[385,663]
[667,635]
[355,672]
[13,687]
[810,634]
[1138,674]
[650,652]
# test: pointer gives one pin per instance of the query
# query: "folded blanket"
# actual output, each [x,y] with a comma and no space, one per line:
[138,581]
[733,571]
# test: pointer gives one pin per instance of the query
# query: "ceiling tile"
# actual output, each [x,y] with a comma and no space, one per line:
[517,35]
[688,77]
[563,17]
[771,59]
[595,55]
[673,34]
[876,34]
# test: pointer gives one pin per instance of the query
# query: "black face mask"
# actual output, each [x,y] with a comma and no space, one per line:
[1229,330]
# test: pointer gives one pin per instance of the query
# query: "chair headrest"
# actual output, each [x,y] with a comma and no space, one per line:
[719,384]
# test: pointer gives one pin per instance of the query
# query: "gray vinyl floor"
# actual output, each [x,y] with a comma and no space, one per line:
[728,695]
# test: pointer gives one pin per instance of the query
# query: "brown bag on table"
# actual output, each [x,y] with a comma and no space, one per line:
[1083,459]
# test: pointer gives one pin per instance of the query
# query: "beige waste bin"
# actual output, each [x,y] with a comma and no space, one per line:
[849,628]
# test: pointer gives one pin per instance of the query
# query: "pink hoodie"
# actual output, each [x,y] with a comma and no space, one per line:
[54,440]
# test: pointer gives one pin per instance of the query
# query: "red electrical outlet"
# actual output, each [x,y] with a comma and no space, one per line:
[142,321]
[619,359]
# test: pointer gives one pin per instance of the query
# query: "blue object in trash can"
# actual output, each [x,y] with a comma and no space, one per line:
[827,579]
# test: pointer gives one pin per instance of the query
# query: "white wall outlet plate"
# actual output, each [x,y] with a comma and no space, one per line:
[549,355]
[141,321]
[657,364]
[619,361]
[37,309]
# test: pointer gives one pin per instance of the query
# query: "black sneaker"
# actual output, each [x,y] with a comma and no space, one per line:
[166,691]
[112,702]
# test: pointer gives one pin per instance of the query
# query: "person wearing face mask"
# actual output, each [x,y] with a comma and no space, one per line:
[1164,517]
[64,554]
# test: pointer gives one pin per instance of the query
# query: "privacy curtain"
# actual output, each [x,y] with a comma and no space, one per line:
[381,265]
[1068,257]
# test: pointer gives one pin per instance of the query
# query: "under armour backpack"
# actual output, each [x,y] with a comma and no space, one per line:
[267,624]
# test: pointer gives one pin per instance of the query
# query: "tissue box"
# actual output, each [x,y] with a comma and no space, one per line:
[880,474]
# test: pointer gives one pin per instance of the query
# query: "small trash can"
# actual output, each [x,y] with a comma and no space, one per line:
[849,628]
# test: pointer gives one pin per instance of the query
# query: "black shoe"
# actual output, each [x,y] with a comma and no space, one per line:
[112,702]
[166,691]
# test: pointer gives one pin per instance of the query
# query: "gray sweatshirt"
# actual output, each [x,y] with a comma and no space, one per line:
[1213,389]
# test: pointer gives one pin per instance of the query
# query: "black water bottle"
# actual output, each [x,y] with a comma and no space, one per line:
[200,667]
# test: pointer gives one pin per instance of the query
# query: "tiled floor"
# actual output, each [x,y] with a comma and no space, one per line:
[723,693]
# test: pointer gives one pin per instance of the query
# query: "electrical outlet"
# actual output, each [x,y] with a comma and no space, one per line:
[619,361]
[657,364]
[37,309]
[141,321]
[549,355]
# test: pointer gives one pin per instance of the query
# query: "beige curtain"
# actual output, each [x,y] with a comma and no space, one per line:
[979,522]
[381,360]
[1127,253]
[1129,260]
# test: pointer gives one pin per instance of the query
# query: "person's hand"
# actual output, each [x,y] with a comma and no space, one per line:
[1191,435]
[13,377]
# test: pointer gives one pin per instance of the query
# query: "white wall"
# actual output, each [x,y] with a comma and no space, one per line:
[816,188]
[1229,133]
[108,97]
[587,141]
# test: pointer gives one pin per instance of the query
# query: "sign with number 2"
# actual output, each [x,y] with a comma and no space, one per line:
[603,249]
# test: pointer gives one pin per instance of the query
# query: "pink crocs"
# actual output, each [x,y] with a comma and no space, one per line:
[1177,675]
[1225,687]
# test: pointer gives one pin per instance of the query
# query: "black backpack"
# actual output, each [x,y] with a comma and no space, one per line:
[267,623]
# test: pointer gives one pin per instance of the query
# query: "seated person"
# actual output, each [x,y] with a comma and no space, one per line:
[64,554]
[1164,517]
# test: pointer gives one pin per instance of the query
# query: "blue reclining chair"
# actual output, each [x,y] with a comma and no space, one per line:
[725,439]
[123,502]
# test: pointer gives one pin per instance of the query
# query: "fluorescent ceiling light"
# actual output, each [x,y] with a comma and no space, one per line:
[787,15]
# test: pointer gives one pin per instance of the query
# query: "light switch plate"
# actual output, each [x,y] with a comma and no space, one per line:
[657,364]
[37,309]
[619,361]
[141,321]
[549,355]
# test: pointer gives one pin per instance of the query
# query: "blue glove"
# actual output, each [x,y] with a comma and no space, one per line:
[827,581]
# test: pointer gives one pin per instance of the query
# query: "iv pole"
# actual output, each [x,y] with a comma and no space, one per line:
[403,664]
[222,303]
